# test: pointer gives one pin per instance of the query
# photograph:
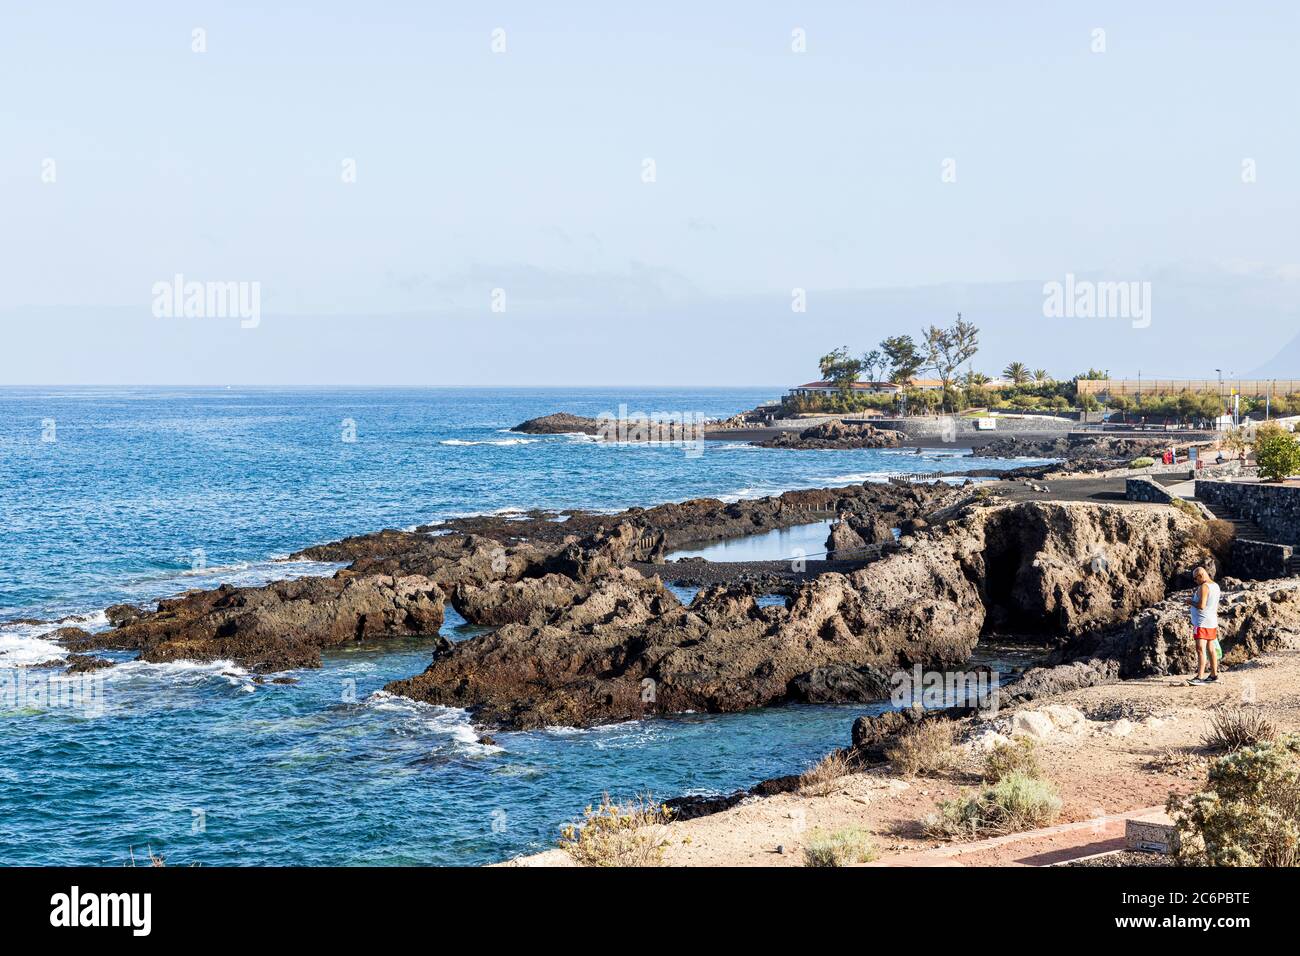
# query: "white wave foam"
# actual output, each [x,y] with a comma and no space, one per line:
[856,478]
[20,650]
[22,645]
[453,722]
[490,441]
[184,672]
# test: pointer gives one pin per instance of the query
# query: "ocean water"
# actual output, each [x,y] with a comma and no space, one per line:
[114,494]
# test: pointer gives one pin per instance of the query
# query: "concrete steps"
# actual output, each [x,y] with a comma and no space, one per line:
[1245,529]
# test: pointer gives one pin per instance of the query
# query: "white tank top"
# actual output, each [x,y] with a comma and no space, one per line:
[1210,616]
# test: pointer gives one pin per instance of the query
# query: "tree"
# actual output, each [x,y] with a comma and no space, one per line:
[873,362]
[1234,439]
[1276,452]
[975,379]
[1017,372]
[839,368]
[1041,376]
[1094,375]
[947,349]
[902,358]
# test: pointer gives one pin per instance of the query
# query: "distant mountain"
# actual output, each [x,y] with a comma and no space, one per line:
[1285,364]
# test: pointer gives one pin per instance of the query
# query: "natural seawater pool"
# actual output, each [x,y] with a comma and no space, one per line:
[207,766]
[779,544]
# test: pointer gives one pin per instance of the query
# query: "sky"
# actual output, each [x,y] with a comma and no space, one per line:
[599,194]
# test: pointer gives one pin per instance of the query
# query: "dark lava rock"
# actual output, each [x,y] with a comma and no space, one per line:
[625,648]
[560,423]
[83,663]
[840,684]
[119,614]
[282,625]
[834,435]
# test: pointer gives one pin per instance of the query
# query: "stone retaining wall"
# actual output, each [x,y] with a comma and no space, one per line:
[1144,489]
[927,427]
[1259,560]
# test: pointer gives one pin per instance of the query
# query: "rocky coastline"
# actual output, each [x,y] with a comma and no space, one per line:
[586,632]
[582,628]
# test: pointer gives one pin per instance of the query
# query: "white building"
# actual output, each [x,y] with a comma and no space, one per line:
[867,388]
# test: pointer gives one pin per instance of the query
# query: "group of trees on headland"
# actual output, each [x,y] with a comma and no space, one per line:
[901,358]
[944,350]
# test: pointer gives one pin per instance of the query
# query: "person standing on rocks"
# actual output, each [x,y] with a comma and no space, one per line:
[1205,626]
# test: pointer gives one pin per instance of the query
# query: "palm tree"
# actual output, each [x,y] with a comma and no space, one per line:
[1017,373]
[976,378]
[1041,376]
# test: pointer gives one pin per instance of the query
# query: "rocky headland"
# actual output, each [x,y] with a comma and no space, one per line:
[559,423]
[494,569]
[627,648]
[633,427]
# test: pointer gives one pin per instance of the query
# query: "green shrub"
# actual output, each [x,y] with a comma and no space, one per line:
[1143,462]
[922,748]
[1015,802]
[1014,756]
[841,848]
[1249,813]
[1277,452]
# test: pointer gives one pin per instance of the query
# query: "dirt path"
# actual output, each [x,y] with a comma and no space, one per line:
[1138,741]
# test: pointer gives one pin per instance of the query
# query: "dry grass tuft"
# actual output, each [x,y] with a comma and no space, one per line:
[841,848]
[1240,727]
[826,776]
[923,748]
[614,834]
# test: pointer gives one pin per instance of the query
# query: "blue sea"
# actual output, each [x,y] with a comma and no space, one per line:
[131,494]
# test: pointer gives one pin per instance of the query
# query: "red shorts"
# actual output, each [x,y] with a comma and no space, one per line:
[1206,634]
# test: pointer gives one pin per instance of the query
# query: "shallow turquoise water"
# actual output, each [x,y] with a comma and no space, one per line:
[145,492]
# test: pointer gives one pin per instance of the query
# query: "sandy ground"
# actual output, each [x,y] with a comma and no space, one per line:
[1138,742]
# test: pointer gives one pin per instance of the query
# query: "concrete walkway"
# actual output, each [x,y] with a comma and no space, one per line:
[1046,847]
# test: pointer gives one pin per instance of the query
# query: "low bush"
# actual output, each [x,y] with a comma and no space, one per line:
[1143,462]
[1015,802]
[1249,813]
[841,848]
[612,834]
[922,748]
[1015,756]
[1217,535]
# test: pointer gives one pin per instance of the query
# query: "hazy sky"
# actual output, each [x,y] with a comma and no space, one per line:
[524,171]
